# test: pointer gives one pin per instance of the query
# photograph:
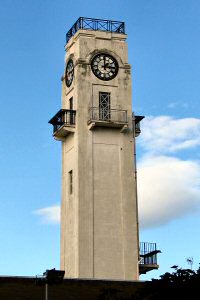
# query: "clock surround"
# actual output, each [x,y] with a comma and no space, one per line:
[104,66]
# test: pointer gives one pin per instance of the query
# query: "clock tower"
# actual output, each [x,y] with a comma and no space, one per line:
[99,214]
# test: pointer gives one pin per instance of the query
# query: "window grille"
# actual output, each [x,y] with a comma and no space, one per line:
[104,106]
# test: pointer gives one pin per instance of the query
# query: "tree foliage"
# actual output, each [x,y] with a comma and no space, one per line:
[181,284]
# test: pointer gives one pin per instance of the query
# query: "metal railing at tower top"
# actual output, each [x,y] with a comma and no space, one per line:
[95,24]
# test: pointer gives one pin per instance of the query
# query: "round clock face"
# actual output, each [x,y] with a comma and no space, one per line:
[104,66]
[69,73]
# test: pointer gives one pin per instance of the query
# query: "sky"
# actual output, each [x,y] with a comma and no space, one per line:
[164,47]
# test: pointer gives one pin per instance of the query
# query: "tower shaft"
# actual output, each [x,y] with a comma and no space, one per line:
[99,226]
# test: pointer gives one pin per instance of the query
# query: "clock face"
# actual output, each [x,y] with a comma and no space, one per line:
[104,66]
[69,73]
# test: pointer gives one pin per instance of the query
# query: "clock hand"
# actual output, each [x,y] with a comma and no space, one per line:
[112,68]
[107,65]
[104,59]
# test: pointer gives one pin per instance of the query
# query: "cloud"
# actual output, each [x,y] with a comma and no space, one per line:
[178,104]
[168,188]
[164,134]
[49,214]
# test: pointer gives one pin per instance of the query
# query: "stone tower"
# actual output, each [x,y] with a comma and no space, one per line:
[99,218]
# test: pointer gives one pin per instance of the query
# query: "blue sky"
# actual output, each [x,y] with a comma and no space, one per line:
[164,47]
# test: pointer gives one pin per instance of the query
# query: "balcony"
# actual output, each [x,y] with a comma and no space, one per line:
[107,117]
[136,124]
[148,257]
[63,123]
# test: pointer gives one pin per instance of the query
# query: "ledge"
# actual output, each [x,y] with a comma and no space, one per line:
[112,124]
[144,268]
[63,131]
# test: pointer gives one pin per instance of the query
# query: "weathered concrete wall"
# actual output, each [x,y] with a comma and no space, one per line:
[99,237]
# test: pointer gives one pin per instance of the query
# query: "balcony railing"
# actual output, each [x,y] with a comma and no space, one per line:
[136,123]
[148,257]
[107,117]
[95,24]
[63,118]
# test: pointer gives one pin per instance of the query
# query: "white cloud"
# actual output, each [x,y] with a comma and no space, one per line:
[168,188]
[165,134]
[178,104]
[49,214]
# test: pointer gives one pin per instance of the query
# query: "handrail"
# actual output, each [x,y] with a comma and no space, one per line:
[108,115]
[148,253]
[63,117]
[97,25]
